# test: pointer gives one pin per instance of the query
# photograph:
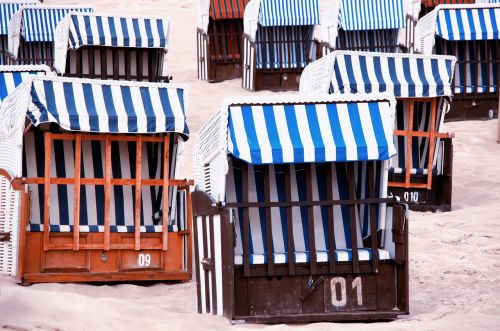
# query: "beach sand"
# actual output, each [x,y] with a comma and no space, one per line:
[455,256]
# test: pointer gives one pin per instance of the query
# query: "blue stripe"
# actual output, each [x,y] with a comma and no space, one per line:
[69,98]
[129,109]
[338,138]
[272,132]
[253,141]
[357,129]
[376,119]
[91,107]
[314,129]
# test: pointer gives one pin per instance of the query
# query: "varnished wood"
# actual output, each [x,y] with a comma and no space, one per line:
[107,191]
[246,223]
[138,192]
[352,217]
[76,213]
[269,227]
[166,185]
[46,199]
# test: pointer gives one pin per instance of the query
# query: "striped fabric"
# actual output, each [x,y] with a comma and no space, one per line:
[99,30]
[256,186]
[104,106]
[227,9]
[7,10]
[368,40]
[295,133]
[9,80]
[284,47]
[288,12]
[469,76]
[372,14]
[402,76]
[39,24]
[92,197]
[469,23]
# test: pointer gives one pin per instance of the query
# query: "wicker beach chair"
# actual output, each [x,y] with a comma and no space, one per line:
[219,39]
[31,33]
[290,194]
[7,10]
[366,25]
[471,33]
[92,190]
[278,42]
[421,173]
[89,45]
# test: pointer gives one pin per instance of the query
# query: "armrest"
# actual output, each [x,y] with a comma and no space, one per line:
[400,232]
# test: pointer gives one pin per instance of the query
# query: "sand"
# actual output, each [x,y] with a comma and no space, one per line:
[455,256]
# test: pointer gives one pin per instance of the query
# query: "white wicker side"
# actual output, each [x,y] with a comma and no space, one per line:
[14,34]
[61,40]
[330,24]
[251,19]
[317,75]
[203,15]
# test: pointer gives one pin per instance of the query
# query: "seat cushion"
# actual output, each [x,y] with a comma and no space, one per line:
[341,255]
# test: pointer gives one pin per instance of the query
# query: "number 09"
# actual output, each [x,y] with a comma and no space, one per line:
[144,260]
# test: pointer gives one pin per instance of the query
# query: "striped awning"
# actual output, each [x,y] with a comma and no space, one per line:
[358,15]
[7,9]
[39,24]
[118,31]
[398,74]
[288,12]
[227,9]
[12,76]
[107,107]
[475,23]
[311,132]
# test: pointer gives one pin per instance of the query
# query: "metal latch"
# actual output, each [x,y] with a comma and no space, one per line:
[207,264]
[311,286]
[4,236]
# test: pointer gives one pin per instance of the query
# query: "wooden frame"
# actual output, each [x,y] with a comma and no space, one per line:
[424,192]
[86,257]
[36,52]
[297,292]
[220,50]
[475,104]
[119,63]
[282,79]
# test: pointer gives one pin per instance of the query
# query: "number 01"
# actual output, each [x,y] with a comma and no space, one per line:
[356,284]
[144,260]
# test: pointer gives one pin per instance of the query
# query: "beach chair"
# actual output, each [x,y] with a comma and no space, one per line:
[7,9]
[364,25]
[291,216]
[31,33]
[471,33]
[10,78]
[421,172]
[429,5]
[89,45]
[219,39]
[278,42]
[91,187]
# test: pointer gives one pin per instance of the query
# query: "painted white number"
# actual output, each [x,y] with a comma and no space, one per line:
[343,296]
[356,284]
[411,196]
[144,260]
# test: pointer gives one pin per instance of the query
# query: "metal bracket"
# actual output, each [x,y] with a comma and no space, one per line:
[207,264]
[311,287]
[4,236]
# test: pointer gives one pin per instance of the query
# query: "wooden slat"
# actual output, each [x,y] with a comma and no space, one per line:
[116,65]
[107,192]
[91,57]
[331,221]
[102,181]
[213,258]
[139,64]
[409,145]
[432,143]
[128,67]
[421,134]
[269,229]
[352,217]
[206,272]
[166,184]
[138,192]
[373,215]
[246,224]
[289,222]
[46,207]
[310,219]
[104,66]
[76,213]
[189,226]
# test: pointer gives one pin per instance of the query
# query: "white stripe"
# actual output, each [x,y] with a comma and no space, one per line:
[266,152]
[283,133]
[305,133]
[240,133]
[347,133]
[368,132]
[326,132]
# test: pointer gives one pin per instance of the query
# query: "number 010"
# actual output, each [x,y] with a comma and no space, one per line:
[144,260]
[356,284]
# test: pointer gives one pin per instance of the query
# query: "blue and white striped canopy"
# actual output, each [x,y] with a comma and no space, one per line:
[372,15]
[39,24]
[10,78]
[473,23]
[311,132]
[398,74]
[107,107]
[101,30]
[7,10]
[288,12]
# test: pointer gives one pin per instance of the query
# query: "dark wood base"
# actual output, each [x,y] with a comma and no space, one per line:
[218,72]
[437,198]
[278,299]
[97,265]
[462,109]
[284,80]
